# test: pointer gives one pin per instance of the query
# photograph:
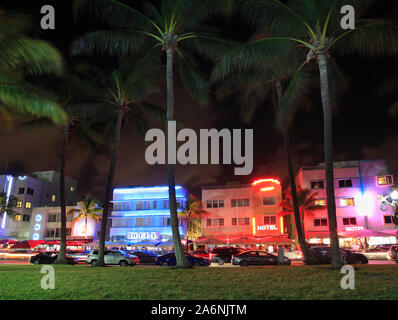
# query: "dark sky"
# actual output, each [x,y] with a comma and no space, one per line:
[362,127]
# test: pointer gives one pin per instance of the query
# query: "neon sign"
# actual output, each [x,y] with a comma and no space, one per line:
[144,236]
[267,227]
[353,228]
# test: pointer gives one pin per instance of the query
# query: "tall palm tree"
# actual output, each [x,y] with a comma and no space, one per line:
[306,201]
[122,96]
[170,28]
[314,27]
[192,209]
[89,209]
[74,90]
[23,58]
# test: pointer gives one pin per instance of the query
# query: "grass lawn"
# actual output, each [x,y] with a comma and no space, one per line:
[298,282]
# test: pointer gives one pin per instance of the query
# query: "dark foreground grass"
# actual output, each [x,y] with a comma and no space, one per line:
[299,282]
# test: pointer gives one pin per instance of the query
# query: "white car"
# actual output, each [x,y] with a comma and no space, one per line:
[115,257]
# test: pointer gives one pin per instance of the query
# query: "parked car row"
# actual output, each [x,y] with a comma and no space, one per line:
[323,256]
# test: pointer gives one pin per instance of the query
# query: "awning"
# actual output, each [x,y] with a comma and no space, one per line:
[10,241]
[244,240]
[210,240]
[366,233]
[146,243]
[317,234]
[393,232]
[27,244]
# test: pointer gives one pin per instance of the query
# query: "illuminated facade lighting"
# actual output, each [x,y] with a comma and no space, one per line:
[254,225]
[281,224]
[266,180]
[10,180]
[267,189]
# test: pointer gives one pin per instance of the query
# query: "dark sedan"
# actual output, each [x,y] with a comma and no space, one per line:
[49,258]
[322,254]
[145,256]
[257,258]
[169,259]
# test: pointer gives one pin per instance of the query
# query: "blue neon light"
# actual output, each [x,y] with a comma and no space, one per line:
[10,180]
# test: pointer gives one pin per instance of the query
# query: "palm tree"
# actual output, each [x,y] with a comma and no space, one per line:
[89,209]
[121,95]
[23,58]
[75,90]
[172,29]
[7,205]
[190,211]
[306,201]
[314,27]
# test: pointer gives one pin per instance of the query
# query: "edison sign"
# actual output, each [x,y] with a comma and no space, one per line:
[144,236]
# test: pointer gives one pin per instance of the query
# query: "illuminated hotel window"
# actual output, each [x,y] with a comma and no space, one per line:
[349,221]
[53,198]
[17,217]
[320,222]
[28,204]
[346,183]
[384,180]
[388,220]
[320,202]
[269,201]
[269,219]
[317,184]
[215,204]
[240,202]
[345,202]
[72,188]
[19,204]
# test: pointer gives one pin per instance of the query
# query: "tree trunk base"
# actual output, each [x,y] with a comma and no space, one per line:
[183,267]
[99,264]
[61,261]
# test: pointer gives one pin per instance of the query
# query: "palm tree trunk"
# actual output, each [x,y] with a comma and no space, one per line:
[108,192]
[85,234]
[182,261]
[328,150]
[308,256]
[61,259]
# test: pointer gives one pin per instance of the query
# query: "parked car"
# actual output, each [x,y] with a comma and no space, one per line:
[378,253]
[49,257]
[222,255]
[81,256]
[145,256]
[202,254]
[114,257]
[322,254]
[169,259]
[257,258]
[392,253]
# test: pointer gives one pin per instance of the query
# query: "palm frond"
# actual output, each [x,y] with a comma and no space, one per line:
[25,99]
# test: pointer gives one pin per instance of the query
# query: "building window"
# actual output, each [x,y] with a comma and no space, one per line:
[349,221]
[28,204]
[345,202]
[346,183]
[21,191]
[215,222]
[30,191]
[269,220]
[50,233]
[165,204]
[215,203]
[385,180]
[166,221]
[269,201]
[52,217]
[320,222]
[143,222]
[234,221]
[240,203]
[53,198]
[317,184]
[388,220]
[240,221]
[26,218]
[17,217]
[320,202]
[72,188]
[19,204]
[154,204]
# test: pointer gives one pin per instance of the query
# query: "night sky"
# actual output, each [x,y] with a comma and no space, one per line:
[363,128]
